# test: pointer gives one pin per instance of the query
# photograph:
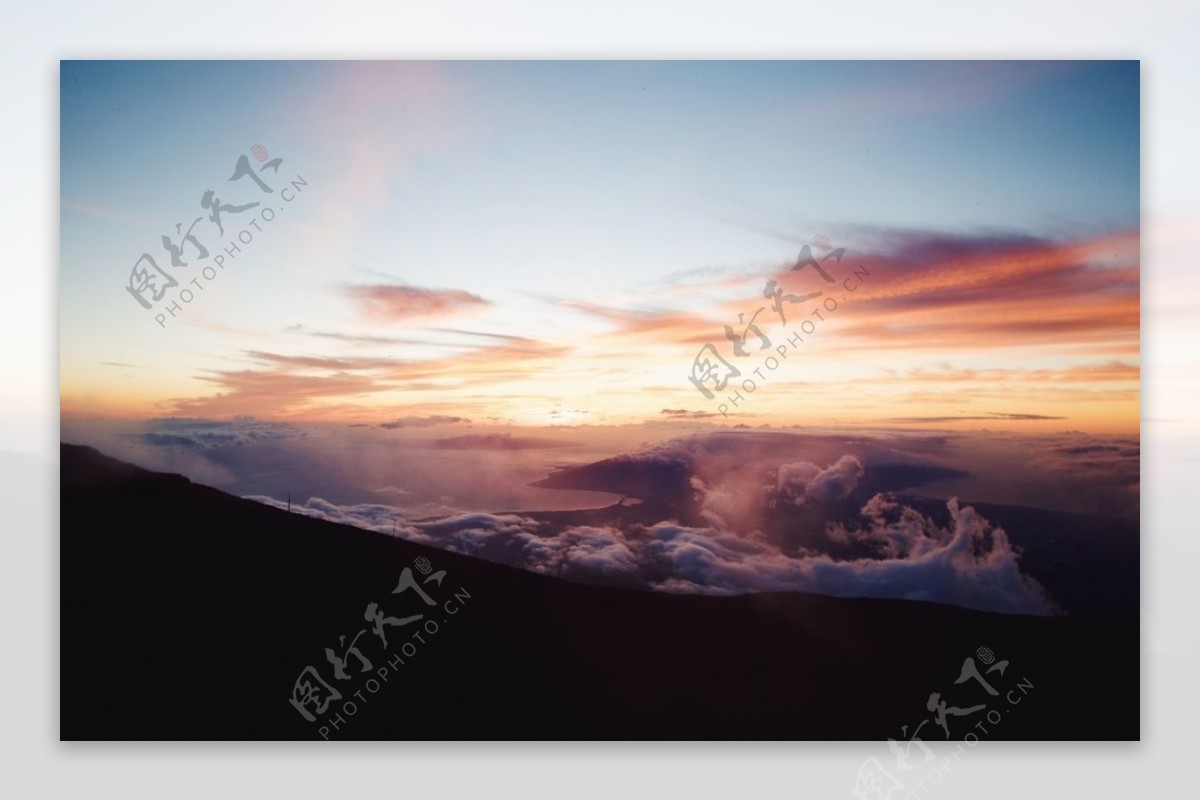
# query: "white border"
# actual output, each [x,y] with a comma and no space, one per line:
[35,764]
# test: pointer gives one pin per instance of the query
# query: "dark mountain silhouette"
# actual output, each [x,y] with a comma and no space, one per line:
[187,614]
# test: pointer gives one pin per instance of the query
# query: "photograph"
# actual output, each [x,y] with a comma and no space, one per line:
[601,400]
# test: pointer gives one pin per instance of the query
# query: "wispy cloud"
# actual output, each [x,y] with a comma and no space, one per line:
[992,416]
[392,302]
[930,291]
[963,308]
[292,385]
[931,87]
[414,421]
[686,414]
[357,110]
[364,339]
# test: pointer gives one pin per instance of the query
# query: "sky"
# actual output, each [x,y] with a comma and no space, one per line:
[554,243]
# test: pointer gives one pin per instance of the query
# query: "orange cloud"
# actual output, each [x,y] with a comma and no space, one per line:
[326,387]
[1037,330]
[389,302]
[982,294]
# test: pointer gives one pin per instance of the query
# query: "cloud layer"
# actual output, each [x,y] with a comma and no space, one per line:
[968,562]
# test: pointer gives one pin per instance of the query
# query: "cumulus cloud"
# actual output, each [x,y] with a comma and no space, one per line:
[968,563]
[584,550]
[739,500]
[370,516]
[801,482]
[752,512]
[719,506]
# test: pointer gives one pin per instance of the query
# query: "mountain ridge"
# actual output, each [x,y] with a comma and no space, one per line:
[187,613]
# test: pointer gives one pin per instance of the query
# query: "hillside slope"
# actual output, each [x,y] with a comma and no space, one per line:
[190,614]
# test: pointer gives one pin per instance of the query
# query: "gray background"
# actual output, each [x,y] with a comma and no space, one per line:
[32,761]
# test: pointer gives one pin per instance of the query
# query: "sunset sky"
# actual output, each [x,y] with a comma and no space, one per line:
[553,243]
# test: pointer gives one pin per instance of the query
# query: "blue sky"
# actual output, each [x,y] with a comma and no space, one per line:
[528,184]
